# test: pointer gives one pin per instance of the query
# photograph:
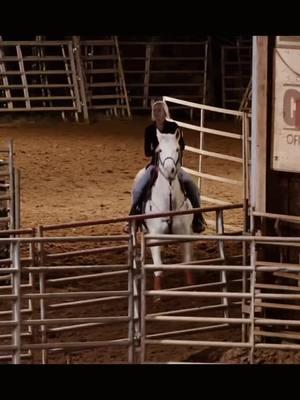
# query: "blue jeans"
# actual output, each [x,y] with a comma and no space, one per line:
[190,187]
[141,184]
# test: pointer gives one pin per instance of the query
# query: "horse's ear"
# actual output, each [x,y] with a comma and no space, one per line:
[177,134]
[158,134]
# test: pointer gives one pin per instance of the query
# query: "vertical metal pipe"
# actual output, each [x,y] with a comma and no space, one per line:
[223,277]
[201,140]
[42,290]
[143,298]
[16,311]
[130,299]
[252,301]
[135,283]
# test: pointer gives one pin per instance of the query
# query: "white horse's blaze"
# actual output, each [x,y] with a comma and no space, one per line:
[166,195]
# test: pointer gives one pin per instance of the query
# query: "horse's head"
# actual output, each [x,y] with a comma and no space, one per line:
[169,153]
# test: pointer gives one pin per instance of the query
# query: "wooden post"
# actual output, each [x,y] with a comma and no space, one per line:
[259,123]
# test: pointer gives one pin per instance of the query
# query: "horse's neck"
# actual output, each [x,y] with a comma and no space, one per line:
[161,192]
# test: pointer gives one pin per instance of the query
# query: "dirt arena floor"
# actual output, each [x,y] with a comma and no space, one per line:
[75,172]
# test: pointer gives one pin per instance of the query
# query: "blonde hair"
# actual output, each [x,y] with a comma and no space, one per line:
[165,107]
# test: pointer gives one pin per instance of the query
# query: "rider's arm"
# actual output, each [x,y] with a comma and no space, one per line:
[148,143]
[181,141]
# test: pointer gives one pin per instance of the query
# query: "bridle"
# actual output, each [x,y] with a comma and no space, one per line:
[160,164]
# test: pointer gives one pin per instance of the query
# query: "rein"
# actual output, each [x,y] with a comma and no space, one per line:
[160,165]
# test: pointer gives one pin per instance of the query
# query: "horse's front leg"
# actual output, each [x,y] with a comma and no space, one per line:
[188,255]
[156,257]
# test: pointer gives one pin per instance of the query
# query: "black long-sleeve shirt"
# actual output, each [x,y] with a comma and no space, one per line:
[151,141]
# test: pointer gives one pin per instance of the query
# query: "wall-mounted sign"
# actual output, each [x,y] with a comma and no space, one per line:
[286,105]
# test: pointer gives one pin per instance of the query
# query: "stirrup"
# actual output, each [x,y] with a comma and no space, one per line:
[198,224]
[126,228]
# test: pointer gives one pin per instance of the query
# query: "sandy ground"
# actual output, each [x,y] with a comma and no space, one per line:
[81,172]
[71,172]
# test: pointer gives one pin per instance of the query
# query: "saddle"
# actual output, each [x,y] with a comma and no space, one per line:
[147,194]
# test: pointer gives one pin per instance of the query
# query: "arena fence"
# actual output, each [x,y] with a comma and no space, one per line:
[197,159]
[45,301]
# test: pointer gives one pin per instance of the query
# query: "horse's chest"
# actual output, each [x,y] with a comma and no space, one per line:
[167,225]
[171,225]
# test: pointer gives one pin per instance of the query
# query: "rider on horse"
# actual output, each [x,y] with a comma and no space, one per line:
[160,114]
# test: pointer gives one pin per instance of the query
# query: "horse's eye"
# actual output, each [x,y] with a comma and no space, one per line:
[160,150]
[177,149]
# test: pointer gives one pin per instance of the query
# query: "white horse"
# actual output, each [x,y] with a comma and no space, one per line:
[167,195]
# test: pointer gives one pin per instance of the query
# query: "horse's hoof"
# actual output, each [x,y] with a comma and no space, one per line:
[190,278]
[157,286]
[126,228]
[157,282]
